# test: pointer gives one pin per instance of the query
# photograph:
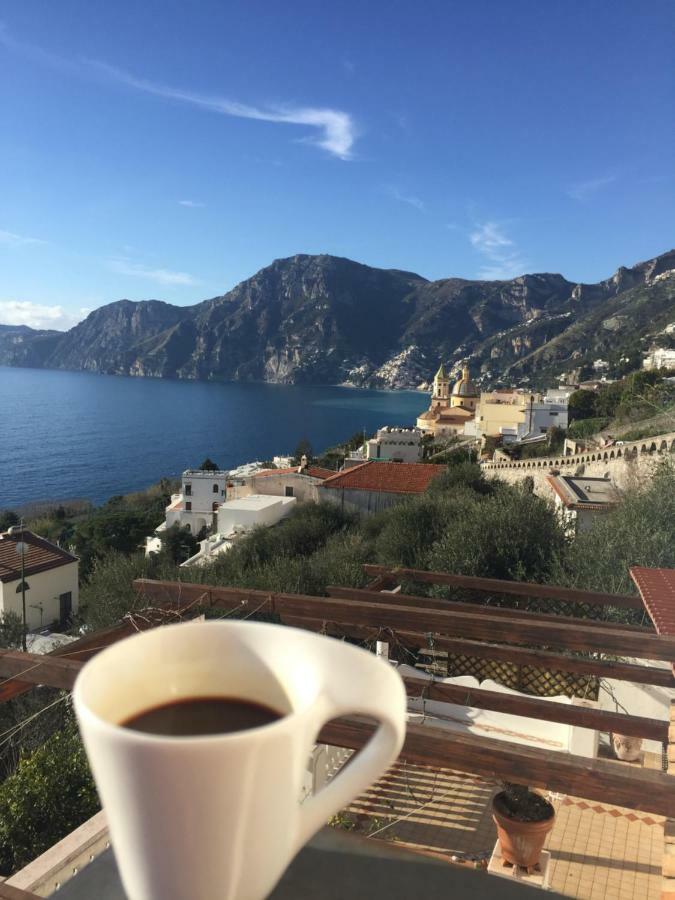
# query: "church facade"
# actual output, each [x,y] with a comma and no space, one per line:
[450,410]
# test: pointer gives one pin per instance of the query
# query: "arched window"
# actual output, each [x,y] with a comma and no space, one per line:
[215,488]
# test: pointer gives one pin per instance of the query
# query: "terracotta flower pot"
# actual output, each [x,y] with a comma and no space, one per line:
[521,842]
[627,748]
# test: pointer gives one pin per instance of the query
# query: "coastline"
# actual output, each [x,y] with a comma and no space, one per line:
[220,381]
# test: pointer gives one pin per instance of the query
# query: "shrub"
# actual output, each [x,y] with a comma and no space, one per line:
[586,428]
[511,535]
[50,793]
[411,529]
[107,594]
[463,474]
[640,531]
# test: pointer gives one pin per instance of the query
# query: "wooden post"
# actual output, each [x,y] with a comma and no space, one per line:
[668,866]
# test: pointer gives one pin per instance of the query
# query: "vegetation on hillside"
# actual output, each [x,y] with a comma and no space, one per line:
[638,396]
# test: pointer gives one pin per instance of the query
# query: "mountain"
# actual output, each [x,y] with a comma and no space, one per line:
[324,319]
[21,345]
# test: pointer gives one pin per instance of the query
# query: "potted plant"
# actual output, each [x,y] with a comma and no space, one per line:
[626,747]
[523,819]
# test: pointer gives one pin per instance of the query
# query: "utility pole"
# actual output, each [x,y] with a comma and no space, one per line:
[23,589]
[21,549]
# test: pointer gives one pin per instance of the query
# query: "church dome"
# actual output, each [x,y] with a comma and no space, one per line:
[465,387]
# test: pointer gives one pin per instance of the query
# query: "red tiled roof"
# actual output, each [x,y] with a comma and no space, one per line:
[311,471]
[319,472]
[657,589]
[391,478]
[40,556]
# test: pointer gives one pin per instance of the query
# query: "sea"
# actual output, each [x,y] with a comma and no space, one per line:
[67,435]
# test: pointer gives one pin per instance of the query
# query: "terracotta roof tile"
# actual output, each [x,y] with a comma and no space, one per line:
[320,472]
[391,478]
[312,471]
[40,556]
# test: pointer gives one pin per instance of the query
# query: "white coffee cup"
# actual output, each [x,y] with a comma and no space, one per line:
[219,817]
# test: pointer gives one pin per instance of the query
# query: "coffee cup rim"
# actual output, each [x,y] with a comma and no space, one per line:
[83,710]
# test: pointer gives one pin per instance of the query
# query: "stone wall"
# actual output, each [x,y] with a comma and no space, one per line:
[626,464]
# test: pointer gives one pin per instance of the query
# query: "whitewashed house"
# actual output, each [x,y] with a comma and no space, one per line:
[50,577]
[201,494]
[580,500]
[236,518]
[396,445]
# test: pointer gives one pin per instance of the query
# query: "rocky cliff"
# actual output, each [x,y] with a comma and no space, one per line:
[329,320]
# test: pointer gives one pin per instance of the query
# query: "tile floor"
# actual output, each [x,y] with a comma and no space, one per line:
[597,850]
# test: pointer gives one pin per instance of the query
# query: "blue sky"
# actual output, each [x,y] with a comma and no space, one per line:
[171,149]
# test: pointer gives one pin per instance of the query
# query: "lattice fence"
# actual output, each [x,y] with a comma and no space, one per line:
[527,679]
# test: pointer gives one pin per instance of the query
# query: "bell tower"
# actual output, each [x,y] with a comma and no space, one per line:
[441,391]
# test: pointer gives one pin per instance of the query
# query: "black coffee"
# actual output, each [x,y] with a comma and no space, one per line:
[197,716]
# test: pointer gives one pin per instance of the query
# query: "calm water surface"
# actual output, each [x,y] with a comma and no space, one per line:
[73,434]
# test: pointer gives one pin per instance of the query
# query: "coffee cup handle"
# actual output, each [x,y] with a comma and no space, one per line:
[373,759]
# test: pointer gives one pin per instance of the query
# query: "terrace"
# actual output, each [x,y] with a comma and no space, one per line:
[428,820]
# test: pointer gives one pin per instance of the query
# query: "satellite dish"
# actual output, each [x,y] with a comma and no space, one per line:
[22,547]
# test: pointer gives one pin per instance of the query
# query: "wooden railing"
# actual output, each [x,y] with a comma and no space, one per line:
[578,645]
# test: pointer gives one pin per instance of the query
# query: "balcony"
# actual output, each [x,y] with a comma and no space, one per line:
[425,827]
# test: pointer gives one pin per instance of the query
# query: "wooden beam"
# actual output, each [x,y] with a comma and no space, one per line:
[7,892]
[647,790]
[518,656]
[80,649]
[474,608]
[537,708]
[451,624]
[381,583]
[35,668]
[520,588]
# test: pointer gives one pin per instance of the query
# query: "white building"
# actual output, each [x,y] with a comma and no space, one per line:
[236,518]
[252,511]
[580,500]
[50,577]
[515,415]
[201,494]
[559,395]
[659,358]
[395,445]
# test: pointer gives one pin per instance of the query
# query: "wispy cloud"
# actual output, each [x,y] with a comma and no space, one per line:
[159,276]
[38,315]
[404,197]
[10,239]
[336,128]
[503,259]
[582,190]
[192,204]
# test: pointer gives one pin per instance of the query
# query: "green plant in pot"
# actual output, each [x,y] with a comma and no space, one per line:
[523,819]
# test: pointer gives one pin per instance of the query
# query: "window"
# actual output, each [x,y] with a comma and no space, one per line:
[188,490]
[214,506]
[215,488]
[289,491]
[188,505]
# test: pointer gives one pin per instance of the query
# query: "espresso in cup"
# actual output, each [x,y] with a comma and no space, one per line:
[198,716]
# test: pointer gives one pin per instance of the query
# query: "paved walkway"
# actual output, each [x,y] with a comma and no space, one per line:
[597,850]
